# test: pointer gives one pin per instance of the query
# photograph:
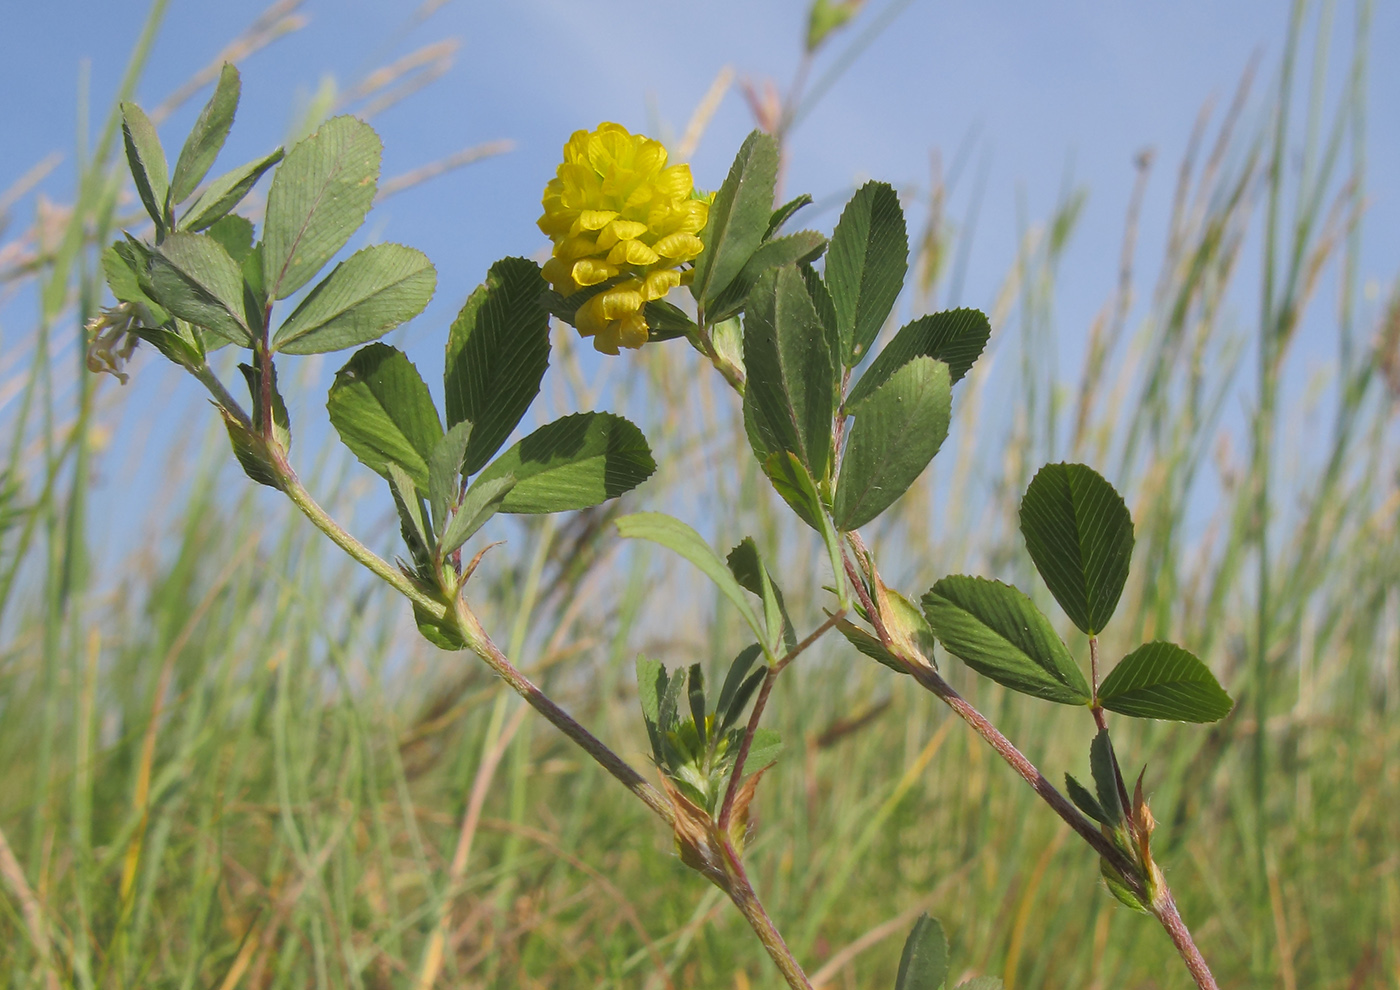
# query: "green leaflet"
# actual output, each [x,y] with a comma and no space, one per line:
[997,631]
[363,298]
[481,502]
[955,337]
[923,964]
[749,570]
[1103,765]
[207,137]
[195,279]
[738,217]
[1080,535]
[318,199]
[497,353]
[897,431]
[805,246]
[865,266]
[573,463]
[384,414]
[226,192]
[147,161]
[676,536]
[791,392]
[1161,680]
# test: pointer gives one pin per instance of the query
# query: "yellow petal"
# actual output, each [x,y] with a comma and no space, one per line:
[632,330]
[576,247]
[631,253]
[606,340]
[553,225]
[623,299]
[619,230]
[590,271]
[639,198]
[559,273]
[650,157]
[675,181]
[592,220]
[658,283]
[679,247]
[694,213]
[576,148]
[590,318]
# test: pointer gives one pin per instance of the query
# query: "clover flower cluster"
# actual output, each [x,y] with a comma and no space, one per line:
[616,210]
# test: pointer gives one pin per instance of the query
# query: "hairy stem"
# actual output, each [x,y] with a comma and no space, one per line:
[736,778]
[480,644]
[221,395]
[741,892]
[1164,909]
[930,680]
[1162,905]
[380,567]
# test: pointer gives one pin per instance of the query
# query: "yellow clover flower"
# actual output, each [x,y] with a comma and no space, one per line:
[615,208]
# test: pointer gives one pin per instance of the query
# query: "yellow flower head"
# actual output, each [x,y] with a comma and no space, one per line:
[615,208]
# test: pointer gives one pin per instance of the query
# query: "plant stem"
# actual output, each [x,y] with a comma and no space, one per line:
[741,892]
[1094,706]
[482,646]
[479,642]
[930,680]
[1164,909]
[705,344]
[386,571]
[221,395]
[735,778]
[1162,905]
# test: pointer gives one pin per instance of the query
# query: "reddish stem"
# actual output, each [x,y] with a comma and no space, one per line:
[727,808]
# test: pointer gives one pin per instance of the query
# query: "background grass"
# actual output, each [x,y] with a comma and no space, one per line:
[227,759]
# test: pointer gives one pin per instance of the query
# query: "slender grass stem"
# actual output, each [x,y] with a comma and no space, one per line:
[32,910]
[1275,312]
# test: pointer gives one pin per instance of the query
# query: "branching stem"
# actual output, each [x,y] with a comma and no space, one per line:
[1160,901]
[736,778]
[479,642]
[930,680]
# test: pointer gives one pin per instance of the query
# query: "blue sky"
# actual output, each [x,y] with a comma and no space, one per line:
[1044,92]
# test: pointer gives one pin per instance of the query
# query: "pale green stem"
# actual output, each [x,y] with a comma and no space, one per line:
[390,574]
